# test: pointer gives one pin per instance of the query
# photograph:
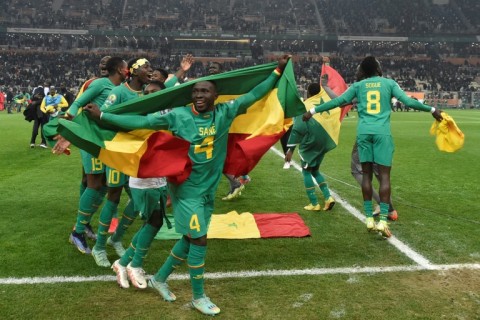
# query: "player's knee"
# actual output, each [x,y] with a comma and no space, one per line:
[156,219]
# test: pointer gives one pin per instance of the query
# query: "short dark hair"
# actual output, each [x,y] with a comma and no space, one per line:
[370,67]
[213,82]
[112,64]
[163,72]
[313,89]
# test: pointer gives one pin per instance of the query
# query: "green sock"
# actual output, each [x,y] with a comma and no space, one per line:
[368,208]
[177,256]
[322,184]
[106,215]
[85,209]
[129,253]
[384,211]
[101,195]
[309,187]
[125,222]
[144,241]
[196,266]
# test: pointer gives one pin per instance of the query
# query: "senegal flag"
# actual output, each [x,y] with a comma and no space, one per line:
[149,153]
[337,84]
[327,124]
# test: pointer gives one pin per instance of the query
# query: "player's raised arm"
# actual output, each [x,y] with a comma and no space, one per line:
[262,89]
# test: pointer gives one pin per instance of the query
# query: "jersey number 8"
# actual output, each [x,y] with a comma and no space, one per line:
[373,102]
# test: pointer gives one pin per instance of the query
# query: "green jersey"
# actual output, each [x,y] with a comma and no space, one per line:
[207,133]
[120,94]
[374,97]
[97,92]
[171,82]
[310,136]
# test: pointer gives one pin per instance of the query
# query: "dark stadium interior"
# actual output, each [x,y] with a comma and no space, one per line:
[428,45]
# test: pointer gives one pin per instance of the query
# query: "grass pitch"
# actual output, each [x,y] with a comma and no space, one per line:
[340,272]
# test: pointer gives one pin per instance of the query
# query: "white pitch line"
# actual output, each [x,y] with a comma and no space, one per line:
[422,262]
[250,274]
[402,247]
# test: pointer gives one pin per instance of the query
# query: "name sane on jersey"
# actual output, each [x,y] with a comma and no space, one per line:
[208,131]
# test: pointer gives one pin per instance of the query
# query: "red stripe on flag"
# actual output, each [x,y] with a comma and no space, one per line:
[275,225]
[166,156]
[338,85]
[243,154]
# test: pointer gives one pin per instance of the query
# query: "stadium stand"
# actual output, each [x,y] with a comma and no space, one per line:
[428,45]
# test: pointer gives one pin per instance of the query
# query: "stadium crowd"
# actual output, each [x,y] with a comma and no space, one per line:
[270,16]
[25,69]
[30,59]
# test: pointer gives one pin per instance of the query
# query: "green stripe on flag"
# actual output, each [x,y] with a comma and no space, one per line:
[90,135]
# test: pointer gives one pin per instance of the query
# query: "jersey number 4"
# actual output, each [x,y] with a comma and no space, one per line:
[373,102]
[194,224]
[206,146]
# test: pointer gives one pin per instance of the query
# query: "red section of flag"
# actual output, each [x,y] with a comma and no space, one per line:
[166,156]
[243,154]
[277,225]
[337,84]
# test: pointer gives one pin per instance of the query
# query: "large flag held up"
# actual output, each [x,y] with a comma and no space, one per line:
[328,122]
[137,152]
[337,84]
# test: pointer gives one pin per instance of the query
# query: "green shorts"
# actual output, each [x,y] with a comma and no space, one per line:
[91,165]
[115,178]
[145,201]
[192,216]
[312,161]
[308,167]
[376,148]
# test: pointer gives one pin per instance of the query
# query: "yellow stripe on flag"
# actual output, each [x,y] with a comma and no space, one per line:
[264,117]
[330,121]
[233,226]
[126,149]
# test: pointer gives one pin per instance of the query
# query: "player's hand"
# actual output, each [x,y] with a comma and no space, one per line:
[306,116]
[283,60]
[187,62]
[437,114]
[324,80]
[93,110]
[288,155]
[61,146]
[67,116]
